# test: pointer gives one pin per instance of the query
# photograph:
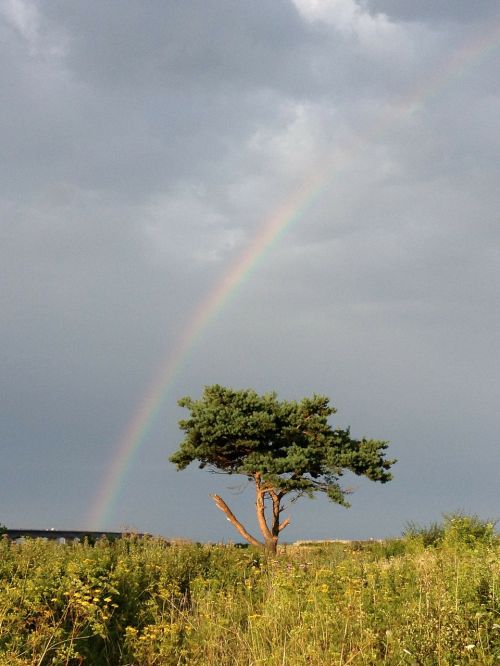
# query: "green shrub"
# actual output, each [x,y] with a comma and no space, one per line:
[457,529]
[467,530]
[430,535]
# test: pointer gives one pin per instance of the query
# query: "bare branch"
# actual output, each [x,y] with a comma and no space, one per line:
[284,524]
[235,522]
[261,514]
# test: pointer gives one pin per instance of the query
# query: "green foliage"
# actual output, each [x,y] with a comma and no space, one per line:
[3,529]
[290,444]
[428,535]
[460,528]
[139,602]
[457,529]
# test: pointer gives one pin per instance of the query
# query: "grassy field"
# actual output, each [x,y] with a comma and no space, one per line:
[432,597]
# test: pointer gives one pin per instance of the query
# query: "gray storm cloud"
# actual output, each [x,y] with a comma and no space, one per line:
[142,151]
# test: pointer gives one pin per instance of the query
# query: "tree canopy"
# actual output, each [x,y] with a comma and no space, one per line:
[284,447]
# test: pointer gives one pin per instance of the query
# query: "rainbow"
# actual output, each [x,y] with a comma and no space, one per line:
[271,231]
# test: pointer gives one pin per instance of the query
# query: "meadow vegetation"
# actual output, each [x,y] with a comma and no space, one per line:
[431,597]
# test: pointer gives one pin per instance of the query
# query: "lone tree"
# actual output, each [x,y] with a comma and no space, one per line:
[286,448]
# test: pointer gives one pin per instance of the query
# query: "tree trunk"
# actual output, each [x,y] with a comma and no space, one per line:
[270,532]
[272,546]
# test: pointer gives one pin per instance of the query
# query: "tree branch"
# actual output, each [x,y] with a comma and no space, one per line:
[235,522]
[277,509]
[276,512]
[260,493]
[283,524]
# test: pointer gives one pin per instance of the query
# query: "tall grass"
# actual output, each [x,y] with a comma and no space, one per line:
[143,602]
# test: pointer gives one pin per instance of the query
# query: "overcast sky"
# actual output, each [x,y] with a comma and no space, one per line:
[143,148]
